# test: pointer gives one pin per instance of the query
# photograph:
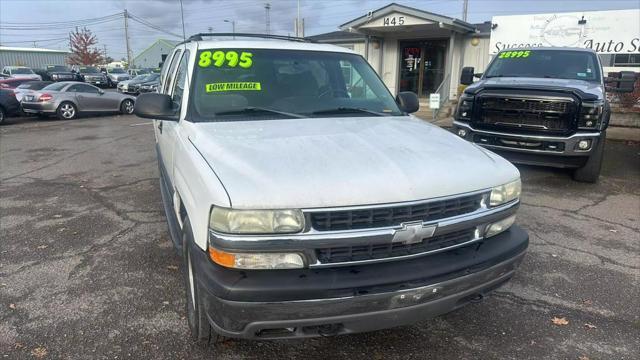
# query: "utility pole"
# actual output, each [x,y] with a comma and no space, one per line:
[465,6]
[126,36]
[210,29]
[267,8]
[297,23]
[104,48]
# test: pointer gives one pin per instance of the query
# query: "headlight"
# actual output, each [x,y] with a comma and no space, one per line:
[465,107]
[255,261]
[499,226]
[504,193]
[54,76]
[590,115]
[255,221]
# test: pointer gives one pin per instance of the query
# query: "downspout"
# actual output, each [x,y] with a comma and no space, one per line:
[366,47]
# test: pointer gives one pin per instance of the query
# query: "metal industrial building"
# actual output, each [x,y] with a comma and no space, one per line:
[31,57]
[155,54]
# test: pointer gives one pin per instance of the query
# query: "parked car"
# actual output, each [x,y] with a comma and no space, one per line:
[9,105]
[540,106]
[22,72]
[150,84]
[12,83]
[135,72]
[68,99]
[301,210]
[91,75]
[127,86]
[29,87]
[115,75]
[58,73]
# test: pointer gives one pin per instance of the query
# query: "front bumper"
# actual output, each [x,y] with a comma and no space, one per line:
[38,107]
[333,301]
[556,151]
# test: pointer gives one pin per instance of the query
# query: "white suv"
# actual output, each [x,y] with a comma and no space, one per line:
[306,201]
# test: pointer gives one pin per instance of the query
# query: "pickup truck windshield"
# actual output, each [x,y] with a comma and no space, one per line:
[557,64]
[115,71]
[60,68]
[89,70]
[22,71]
[236,84]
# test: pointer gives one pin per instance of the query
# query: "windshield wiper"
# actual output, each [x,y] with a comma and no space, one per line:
[256,109]
[342,110]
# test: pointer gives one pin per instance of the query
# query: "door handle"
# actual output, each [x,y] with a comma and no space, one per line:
[160,126]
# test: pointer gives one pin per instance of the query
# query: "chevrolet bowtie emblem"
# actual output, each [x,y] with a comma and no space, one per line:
[413,232]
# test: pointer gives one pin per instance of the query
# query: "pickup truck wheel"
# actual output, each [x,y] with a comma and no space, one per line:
[196,317]
[590,172]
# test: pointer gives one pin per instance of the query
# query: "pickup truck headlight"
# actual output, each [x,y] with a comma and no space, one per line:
[465,107]
[505,193]
[233,221]
[256,261]
[590,115]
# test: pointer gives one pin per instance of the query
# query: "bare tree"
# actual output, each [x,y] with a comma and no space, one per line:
[83,50]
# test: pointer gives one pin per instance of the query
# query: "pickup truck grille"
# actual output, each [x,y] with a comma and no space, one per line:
[381,251]
[555,115]
[394,215]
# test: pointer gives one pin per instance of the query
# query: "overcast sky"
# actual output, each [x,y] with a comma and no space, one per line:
[320,16]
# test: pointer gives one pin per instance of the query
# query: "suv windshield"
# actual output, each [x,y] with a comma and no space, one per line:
[88,70]
[61,68]
[234,84]
[115,71]
[21,71]
[558,64]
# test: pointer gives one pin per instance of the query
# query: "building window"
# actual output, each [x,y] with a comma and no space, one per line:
[626,60]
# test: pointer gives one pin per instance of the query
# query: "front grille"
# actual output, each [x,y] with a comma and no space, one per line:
[556,115]
[390,250]
[394,215]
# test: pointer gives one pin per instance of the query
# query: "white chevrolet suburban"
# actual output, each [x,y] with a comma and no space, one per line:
[306,201]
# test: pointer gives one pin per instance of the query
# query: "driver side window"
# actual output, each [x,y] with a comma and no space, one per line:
[181,79]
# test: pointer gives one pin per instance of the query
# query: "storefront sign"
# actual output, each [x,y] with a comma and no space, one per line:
[607,32]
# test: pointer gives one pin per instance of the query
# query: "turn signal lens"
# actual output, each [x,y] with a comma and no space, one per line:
[256,261]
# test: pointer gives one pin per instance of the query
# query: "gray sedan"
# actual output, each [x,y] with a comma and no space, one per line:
[67,99]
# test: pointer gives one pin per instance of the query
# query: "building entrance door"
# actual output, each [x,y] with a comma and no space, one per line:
[422,65]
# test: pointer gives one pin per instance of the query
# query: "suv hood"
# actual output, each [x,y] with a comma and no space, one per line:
[586,90]
[324,162]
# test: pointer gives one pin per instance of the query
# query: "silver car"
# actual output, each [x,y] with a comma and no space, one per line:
[68,99]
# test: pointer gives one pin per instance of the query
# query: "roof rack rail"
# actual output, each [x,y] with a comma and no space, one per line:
[198,37]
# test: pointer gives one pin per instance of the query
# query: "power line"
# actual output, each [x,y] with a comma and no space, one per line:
[150,25]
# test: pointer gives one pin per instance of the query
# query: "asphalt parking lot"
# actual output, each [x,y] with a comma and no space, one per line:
[87,270]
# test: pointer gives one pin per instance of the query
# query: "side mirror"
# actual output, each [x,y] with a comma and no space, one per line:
[408,101]
[155,106]
[466,76]
[477,75]
[623,82]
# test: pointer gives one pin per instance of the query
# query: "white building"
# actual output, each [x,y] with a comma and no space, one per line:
[154,55]
[423,52]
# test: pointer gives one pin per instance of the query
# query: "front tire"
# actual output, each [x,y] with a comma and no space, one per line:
[126,107]
[197,319]
[67,111]
[590,172]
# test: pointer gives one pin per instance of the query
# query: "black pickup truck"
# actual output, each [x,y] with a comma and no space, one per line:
[541,106]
